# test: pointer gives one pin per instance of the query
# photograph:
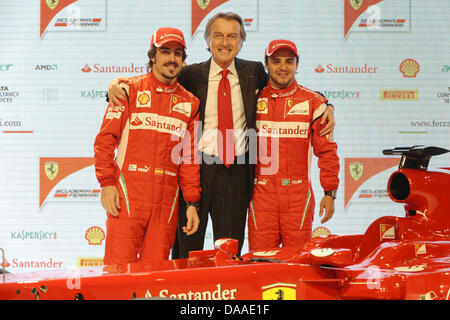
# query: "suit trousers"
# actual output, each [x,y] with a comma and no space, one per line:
[225,197]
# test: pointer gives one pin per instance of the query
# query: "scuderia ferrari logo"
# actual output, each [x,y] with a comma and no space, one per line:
[294,107]
[356,4]
[51,169]
[203,3]
[279,291]
[356,170]
[52,4]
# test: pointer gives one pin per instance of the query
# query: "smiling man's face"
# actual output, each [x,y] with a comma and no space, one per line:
[224,41]
[282,66]
[168,62]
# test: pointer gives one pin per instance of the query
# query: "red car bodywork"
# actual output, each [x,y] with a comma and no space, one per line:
[396,258]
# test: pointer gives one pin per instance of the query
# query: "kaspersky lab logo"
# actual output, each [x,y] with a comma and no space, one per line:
[5,67]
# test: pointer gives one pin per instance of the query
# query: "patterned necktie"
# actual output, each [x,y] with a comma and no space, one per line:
[225,121]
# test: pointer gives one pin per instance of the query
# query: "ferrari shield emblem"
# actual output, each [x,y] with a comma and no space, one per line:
[356,4]
[279,291]
[356,170]
[51,169]
[52,3]
[203,3]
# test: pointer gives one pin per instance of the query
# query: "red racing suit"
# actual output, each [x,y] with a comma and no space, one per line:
[288,125]
[152,131]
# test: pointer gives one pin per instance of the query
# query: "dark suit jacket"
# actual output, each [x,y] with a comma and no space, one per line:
[252,79]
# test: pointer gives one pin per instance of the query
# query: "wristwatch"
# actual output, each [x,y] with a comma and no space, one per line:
[332,194]
[194,204]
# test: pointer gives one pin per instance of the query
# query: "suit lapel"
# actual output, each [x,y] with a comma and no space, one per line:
[203,87]
[244,77]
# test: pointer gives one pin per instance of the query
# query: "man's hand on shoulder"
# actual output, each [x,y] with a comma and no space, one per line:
[115,91]
[331,122]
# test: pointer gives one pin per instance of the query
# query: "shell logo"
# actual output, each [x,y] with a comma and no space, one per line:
[320,232]
[409,68]
[94,235]
[262,105]
[143,98]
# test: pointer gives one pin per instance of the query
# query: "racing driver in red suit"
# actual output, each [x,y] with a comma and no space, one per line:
[288,124]
[153,131]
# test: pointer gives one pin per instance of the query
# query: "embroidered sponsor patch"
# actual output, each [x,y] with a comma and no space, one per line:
[153,121]
[183,107]
[262,106]
[294,108]
[387,231]
[282,129]
[144,169]
[169,173]
[144,99]
[114,112]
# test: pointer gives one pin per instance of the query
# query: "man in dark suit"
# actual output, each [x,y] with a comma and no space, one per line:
[227,186]
[226,191]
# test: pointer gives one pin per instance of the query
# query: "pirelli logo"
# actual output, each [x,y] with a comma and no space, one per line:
[399,94]
[89,261]
[282,129]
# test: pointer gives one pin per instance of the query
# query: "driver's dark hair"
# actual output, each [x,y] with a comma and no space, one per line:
[267,59]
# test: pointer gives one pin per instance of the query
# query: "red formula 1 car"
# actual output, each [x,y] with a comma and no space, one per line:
[396,258]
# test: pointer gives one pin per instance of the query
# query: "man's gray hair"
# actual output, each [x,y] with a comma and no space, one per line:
[228,16]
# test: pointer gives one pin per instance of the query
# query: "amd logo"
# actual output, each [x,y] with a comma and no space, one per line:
[46,67]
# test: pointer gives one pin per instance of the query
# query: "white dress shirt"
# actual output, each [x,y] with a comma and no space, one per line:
[208,142]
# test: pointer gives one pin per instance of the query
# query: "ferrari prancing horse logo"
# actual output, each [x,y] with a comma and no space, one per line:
[279,291]
[203,3]
[356,170]
[356,4]
[51,169]
[52,4]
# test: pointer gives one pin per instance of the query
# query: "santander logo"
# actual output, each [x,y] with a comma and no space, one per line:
[98,68]
[358,69]
[86,68]
[319,69]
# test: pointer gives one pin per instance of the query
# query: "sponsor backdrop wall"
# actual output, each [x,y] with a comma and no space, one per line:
[383,64]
